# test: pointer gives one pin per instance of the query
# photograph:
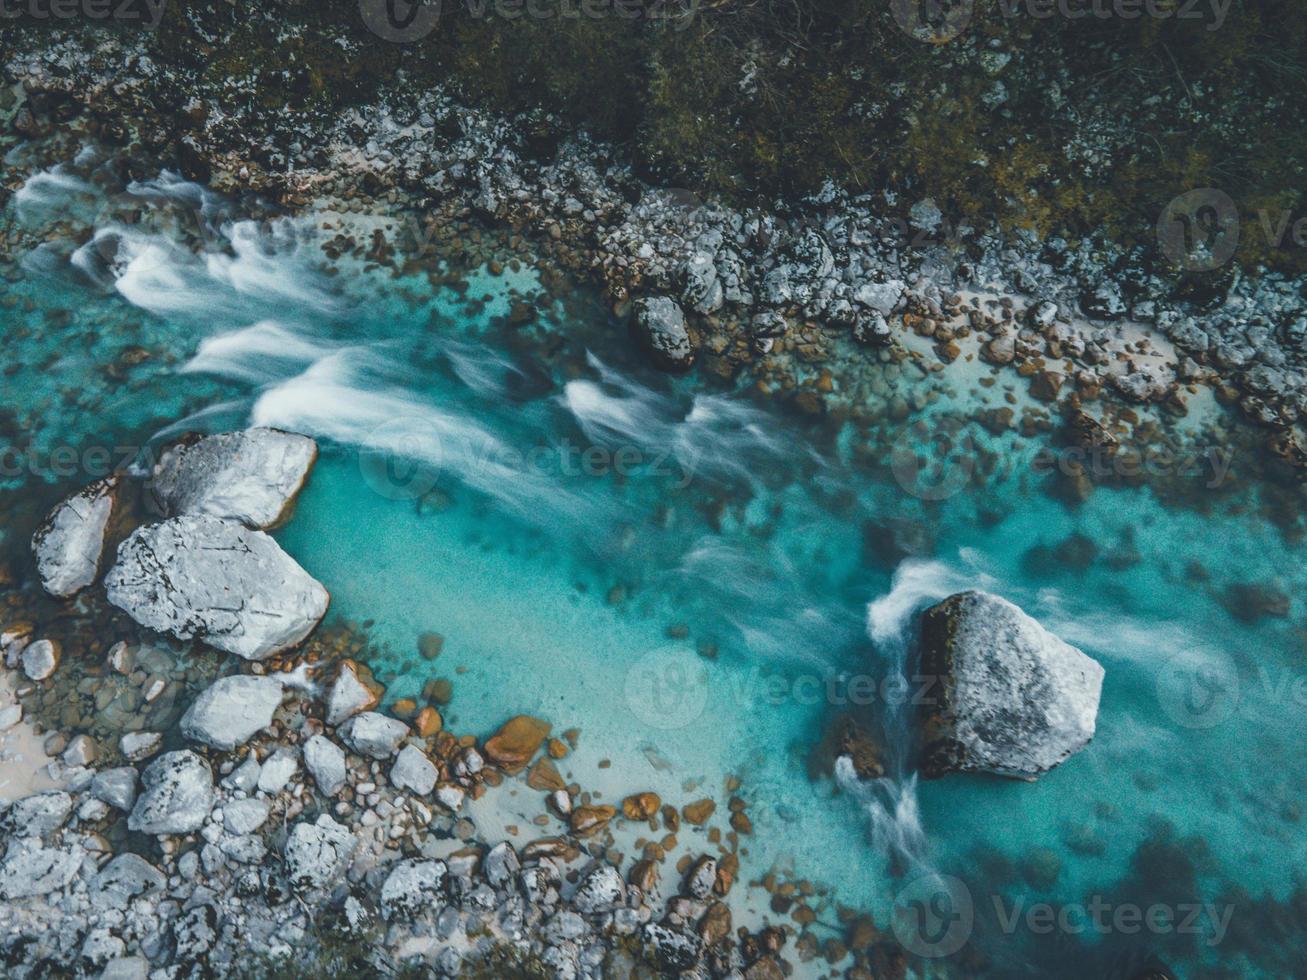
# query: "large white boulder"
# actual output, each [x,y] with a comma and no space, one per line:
[1009,697]
[252,476]
[69,542]
[219,581]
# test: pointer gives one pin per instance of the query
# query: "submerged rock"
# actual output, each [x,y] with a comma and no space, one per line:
[177,795]
[231,710]
[660,327]
[69,543]
[40,659]
[213,579]
[251,476]
[1011,698]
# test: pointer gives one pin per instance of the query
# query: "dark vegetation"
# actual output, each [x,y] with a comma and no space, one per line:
[1071,126]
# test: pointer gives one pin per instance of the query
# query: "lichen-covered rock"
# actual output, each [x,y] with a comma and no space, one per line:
[69,542]
[125,878]
[660,327]
[1012,698]
[177,795]
[231,710]
[600,891]
[30,869]
[252,476]
[671,949]
[219,581]
[326,763]
[412,887]
[317,854]
[37,815]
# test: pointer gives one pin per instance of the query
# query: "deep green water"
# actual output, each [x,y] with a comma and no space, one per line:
[453,495]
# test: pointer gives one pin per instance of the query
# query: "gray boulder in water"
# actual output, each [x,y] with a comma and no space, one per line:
[219,581]
[660,327]
[1009,697]
[68,544]
[251,476]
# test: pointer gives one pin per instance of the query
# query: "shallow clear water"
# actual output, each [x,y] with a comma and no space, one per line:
[579,528]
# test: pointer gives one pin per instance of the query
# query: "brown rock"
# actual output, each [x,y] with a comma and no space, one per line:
[544,776]
[589,820]
[428,722]
[698,812]
[557,748]
[404,709]
[644,875]
[1045,386]
[430,645]
[715,924]
[641,806]
[512,747]
[741,823]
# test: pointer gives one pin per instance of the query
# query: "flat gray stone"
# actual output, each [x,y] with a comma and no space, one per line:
[326,763]
[374,734]
[117,787]
[125,878]
[413,771]
[232,710]
[244,816]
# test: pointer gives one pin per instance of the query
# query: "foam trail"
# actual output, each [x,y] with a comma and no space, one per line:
[258,354]
[52,193]
[891,804]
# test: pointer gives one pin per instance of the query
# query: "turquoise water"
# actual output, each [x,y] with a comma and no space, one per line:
[580,530]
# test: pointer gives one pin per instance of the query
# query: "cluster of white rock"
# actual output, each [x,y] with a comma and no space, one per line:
[206,570]
[271,826]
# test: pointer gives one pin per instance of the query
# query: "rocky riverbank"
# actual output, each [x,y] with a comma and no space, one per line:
[827,302]
[259,823]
